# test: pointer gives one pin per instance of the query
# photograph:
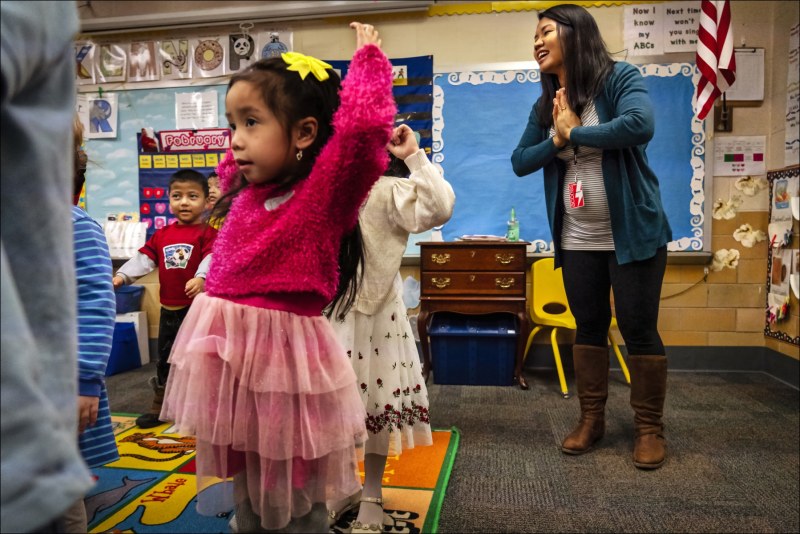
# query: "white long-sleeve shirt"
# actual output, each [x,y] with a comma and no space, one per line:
[396,208]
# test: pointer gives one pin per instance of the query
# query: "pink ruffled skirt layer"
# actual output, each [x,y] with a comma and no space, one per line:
[270,393]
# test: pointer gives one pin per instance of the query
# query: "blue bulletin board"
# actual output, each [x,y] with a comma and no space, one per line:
[479,117]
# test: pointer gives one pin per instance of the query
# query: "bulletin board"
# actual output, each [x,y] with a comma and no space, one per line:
[783,256]
[479,117]
[155,169]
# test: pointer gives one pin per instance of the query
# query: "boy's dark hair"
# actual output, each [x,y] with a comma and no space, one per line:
[189,175]
[586,60]
[291,98]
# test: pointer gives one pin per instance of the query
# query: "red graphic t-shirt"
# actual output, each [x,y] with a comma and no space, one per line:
[178,249]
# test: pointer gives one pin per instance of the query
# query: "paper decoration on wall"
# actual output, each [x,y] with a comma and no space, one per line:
[784,188]
[110,63]
[241,51]
[84,63]
[725,259]
[747,236]
[142,60]
[124,237]
[98,113]
[274,42]
[174,59]
[750,186]
[779,284]
[196,110]
[209,56]
[726,209]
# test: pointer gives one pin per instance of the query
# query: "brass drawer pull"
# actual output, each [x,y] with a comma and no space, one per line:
[441,283]
[472,278]
[440,258]
[504,283]
[505,259]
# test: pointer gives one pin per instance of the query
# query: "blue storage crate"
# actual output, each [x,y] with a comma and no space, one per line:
[124,349]
[473,349]
[129,298]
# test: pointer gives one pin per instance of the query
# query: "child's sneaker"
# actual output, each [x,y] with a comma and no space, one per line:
[150,419]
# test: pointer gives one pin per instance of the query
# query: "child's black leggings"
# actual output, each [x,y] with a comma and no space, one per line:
[588,278]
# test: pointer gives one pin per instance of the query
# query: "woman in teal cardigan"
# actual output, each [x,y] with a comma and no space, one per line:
[588,132]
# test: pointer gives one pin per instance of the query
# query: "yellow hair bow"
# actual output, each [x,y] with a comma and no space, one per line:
[304,64]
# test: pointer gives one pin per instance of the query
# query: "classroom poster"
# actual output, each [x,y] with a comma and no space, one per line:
[98,114]
[198,110]
[740,155]
[180,149]
[664,28]
[413,93]
[792,142]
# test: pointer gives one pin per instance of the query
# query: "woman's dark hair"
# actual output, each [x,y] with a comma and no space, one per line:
[291,98]
[586,60]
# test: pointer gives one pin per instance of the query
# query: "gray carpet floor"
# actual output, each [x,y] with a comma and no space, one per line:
[733,456]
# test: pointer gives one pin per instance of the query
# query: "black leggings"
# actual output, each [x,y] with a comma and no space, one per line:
[168,326]
[588,279]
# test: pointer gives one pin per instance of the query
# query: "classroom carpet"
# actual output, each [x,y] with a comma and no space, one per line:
[151,488]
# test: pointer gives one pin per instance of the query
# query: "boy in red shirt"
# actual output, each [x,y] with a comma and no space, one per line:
[182,253]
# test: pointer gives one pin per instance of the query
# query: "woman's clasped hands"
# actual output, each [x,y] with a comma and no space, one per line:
[564,119]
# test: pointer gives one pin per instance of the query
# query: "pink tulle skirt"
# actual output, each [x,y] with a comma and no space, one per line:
[270,393]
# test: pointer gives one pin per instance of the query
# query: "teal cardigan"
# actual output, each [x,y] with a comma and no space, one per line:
[638,222]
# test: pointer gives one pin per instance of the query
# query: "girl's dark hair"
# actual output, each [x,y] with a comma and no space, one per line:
[397,167]
[586,60]
[291,98]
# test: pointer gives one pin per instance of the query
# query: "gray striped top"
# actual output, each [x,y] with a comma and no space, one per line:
[587,227]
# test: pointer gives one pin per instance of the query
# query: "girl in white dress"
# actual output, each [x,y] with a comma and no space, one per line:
[374,328]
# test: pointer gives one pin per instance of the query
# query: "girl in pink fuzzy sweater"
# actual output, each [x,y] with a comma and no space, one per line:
[258,375]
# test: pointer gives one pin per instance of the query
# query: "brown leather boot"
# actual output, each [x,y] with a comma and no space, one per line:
[648,390]
[151,419]
[591,381]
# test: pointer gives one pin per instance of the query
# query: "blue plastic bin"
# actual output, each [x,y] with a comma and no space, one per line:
[473,349]
[124,350]
[129,298]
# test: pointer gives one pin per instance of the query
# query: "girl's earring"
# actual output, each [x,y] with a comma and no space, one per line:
[299,155]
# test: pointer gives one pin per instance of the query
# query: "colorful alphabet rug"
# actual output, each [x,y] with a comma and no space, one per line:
[151,488]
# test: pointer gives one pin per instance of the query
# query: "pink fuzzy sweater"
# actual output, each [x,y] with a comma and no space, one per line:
[295,246]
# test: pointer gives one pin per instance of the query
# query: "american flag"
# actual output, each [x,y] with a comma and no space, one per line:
[715,56]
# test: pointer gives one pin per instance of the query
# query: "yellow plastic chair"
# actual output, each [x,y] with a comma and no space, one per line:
[549,308]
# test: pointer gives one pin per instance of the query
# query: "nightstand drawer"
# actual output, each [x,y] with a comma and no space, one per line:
[464,258]
[473,283]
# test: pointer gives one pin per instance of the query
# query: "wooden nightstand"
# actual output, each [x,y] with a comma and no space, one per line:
[474,277]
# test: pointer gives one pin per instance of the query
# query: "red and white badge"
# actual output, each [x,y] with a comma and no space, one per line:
[576,194]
